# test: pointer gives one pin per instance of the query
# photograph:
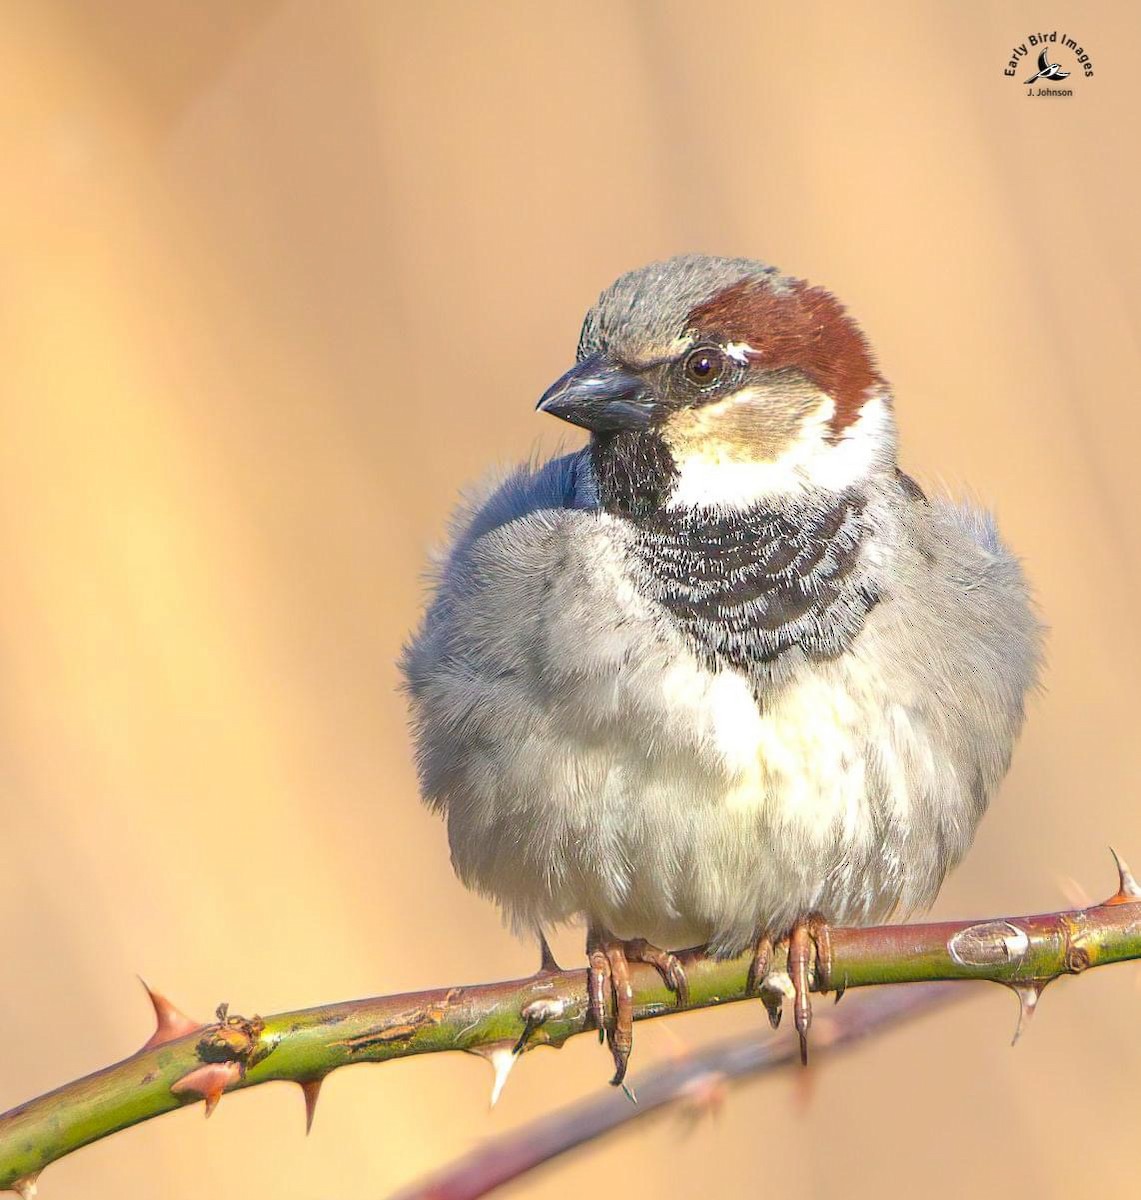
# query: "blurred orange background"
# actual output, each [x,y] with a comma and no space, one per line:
[277,278]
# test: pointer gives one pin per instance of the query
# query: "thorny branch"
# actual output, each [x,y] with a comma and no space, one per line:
[184,1061]
[693,1085]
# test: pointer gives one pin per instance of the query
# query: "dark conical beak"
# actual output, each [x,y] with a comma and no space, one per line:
[600,395]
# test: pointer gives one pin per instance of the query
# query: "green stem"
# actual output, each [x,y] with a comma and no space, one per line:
[304,1046]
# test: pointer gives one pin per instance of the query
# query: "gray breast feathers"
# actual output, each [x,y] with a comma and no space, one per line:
[592,759]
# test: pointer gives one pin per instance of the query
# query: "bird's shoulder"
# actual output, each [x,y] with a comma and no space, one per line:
[535,578]
[537,528]
[561,484]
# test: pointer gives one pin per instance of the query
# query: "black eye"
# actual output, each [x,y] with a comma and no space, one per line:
[704,366]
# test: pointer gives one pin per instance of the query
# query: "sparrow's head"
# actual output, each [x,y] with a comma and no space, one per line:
[717,382]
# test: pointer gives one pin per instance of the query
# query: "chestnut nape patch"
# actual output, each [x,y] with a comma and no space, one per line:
[799,327]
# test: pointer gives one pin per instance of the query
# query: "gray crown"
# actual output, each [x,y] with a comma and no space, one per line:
[643,313]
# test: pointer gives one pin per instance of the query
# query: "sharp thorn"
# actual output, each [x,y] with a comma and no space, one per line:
[170,1022]
[1028,996]
[25,1187]
[1128,889]
[208,1082]
[631,1095]
[311,1089]
[502,1060]
[839,995]
[547,964]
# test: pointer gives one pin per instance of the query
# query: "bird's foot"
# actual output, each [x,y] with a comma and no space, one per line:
[809,956]
[610,959]
[667,964]
[761,981]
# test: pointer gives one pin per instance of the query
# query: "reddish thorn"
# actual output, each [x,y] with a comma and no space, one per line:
[311,1088]
[208,1082]
[25,1186]
[1028,996]
[170,1022]
[1128,889]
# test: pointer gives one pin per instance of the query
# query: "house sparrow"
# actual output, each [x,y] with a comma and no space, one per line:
[725,674]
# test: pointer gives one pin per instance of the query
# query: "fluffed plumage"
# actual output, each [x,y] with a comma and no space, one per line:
[726,665]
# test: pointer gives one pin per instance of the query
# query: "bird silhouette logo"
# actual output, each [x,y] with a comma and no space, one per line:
[1047,69]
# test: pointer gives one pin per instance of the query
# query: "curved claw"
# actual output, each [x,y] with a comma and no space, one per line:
[621,1037]
[809,950]
[799,956]
[759,982]
[667,965]
[759,967]
[610,960]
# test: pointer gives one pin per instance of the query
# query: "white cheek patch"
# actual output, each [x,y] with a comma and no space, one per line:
[811,463]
